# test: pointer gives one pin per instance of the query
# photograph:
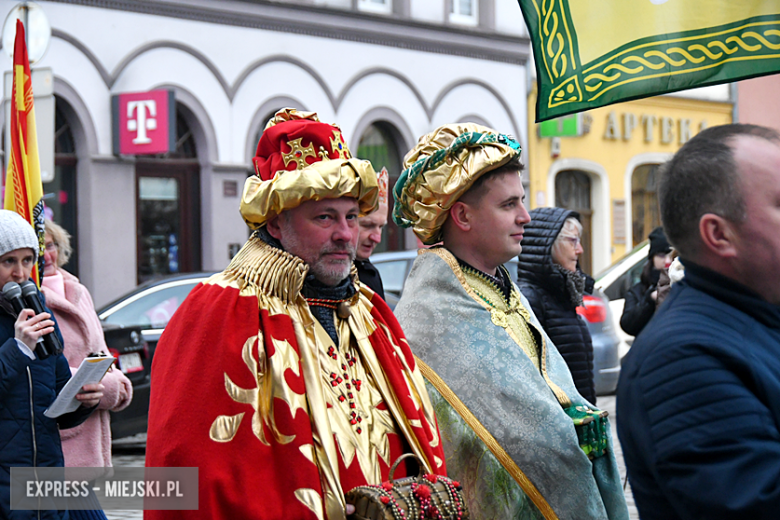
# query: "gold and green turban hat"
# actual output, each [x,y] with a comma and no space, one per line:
[298,159]
[441,168]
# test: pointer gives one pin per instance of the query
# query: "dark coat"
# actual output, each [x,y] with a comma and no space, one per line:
[546,291]
[638,308]
[26,383]
[369,275]
[639,305]
[698,404]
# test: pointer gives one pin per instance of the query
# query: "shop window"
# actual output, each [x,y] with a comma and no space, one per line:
[645,212]
[168,208]
[376,6]
[572,191]
[463,12]
[378,144]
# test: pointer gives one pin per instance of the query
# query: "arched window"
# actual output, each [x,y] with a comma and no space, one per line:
[572,191]
[168,207]
[645,213]
[378,144]
[59,195]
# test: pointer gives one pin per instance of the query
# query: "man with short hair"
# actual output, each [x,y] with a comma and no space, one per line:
[370,235]
[699,394]
[283,379]
[517,435]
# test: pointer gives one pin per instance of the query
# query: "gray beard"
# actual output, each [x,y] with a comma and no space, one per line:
[327,275]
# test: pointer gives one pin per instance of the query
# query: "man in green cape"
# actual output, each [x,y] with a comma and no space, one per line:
[516,434]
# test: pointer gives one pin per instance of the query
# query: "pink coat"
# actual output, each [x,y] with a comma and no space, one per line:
[89,444]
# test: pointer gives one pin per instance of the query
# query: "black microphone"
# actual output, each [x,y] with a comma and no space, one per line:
[13,293]
[32,298]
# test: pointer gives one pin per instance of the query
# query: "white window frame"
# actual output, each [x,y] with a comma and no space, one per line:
[456,17]
[386,7]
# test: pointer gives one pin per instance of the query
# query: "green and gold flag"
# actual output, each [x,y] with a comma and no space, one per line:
[591,53]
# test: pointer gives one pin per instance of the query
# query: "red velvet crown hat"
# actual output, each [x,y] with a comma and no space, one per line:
[293,140]
[300,158]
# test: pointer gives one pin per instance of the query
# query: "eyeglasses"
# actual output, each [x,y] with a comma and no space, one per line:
[574,240]
[51,246]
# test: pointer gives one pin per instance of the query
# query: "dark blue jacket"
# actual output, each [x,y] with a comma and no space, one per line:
[27,388]
[698,404]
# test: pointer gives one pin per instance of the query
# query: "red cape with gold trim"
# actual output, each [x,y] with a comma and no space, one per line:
[236,392]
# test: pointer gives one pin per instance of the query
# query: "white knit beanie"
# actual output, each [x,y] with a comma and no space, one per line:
[16,233]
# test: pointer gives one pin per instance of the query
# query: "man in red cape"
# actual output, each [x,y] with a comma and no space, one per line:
[285,380]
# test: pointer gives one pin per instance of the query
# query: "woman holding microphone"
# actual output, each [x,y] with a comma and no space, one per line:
[29,379]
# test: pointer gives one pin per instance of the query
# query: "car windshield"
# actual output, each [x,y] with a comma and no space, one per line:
[151,309]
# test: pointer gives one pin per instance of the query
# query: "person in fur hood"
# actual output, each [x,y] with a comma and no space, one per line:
[550,277]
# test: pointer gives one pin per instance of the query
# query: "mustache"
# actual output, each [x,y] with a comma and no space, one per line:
[347,248]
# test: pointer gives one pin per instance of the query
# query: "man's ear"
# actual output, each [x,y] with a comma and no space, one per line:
[460,216]
[718,235]
[274,229]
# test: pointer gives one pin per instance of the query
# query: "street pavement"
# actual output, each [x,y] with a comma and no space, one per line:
[130,452]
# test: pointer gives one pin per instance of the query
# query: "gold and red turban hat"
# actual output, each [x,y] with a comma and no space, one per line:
[298,159]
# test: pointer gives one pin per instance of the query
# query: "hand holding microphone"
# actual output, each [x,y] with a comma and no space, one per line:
[33,325]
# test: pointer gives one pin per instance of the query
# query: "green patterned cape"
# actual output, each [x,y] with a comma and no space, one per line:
[505,434]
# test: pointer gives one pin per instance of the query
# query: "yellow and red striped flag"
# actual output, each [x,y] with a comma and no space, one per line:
[23,186]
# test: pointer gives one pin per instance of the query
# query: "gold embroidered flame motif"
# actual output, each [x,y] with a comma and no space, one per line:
[270,384]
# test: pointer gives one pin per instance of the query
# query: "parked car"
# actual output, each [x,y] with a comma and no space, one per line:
[394,268]
[127,345]
[615,281]
[141,315]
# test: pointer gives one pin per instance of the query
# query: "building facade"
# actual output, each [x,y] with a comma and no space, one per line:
[386,71]
[604,164]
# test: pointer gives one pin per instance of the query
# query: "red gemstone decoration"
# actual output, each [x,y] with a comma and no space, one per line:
[351,405]
[431,477]
[339,380]
[384,499]
[358,430]
[349,386]
[342,398]
[343,366]
[333,383]
[353,422]
[360,419]
[387,486]
[456,483]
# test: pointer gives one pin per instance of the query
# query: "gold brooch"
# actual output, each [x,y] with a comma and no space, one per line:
[338,146]
[499,318]
[298,153]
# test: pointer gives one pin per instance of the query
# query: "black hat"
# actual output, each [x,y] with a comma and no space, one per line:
[658,242]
